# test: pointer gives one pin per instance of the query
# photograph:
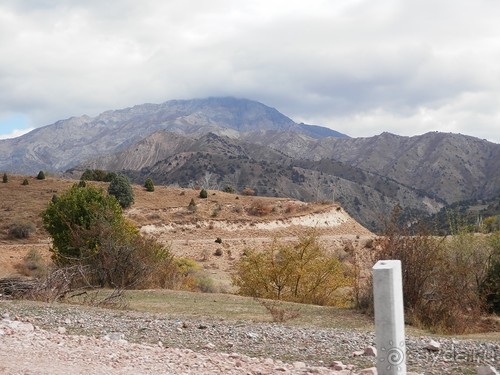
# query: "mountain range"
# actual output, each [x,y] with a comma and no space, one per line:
[239,143]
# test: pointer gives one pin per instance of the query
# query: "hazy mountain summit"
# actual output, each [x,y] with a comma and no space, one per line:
[69,142]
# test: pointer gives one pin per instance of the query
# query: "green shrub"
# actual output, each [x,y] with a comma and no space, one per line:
[203,194]
[149,185]
[40,176]
[25,182]
[88,228]
[21,230]
[5,178]
[122,190]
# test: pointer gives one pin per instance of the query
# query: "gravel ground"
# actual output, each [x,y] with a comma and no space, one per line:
[74,339]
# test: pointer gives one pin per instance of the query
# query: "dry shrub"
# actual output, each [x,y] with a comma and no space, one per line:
[22,230]
[442,278]
[259,208]
[33,265]
[248,191]
[279,311]
[299,272]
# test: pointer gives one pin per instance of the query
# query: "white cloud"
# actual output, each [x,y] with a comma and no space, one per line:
[361,67]
[15,133]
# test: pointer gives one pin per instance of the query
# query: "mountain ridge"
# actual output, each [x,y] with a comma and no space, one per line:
[245,143]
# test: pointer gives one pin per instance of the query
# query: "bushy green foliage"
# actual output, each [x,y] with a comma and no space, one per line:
[97,175]
[88,228]
[122,190]
[5,178]
[203,194]
[78,212]
[301,272]
[149,185]
[40,176]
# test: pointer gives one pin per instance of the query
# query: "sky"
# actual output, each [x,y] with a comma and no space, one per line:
[361,67]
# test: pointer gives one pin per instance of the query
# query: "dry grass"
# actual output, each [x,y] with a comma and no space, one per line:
[232,307]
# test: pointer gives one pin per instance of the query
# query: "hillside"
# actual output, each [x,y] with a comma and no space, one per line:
[240,221]
[242,143]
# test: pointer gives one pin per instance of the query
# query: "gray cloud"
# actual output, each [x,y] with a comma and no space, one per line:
[358,66]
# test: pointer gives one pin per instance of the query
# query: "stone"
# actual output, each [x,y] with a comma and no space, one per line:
[358,353]
[209,346]
[433,346]
[61,330]
[370,351]
[487,370]
[299,365]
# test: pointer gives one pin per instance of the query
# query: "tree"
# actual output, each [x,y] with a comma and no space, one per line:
[40,176]
[301,272]
[120,188]
[71,221]
[88,228]
[149,185]
[5,178]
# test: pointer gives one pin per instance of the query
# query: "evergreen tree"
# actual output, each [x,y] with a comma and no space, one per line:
[40,176]
[149,185]
[122,190]
[5,178]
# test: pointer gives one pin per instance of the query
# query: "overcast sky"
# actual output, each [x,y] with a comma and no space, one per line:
[361,67]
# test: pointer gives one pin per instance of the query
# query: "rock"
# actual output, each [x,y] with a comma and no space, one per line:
[487,370]
[338,365]
[433,346]
[114,336]
[252,335]
[358,353]
[18,325]
[299,365]
[209,346]
[202,326]
[61,330]
[67,321]
[370,351]
[368,371]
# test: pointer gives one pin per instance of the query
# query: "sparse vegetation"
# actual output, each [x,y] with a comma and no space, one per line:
[203,194]
[40,175]
[192,205]
[25,182]
[444,280]
[21,230]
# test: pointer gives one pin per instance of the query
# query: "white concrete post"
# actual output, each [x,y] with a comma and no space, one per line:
[389,318]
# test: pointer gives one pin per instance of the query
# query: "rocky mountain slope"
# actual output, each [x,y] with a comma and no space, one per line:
[240,143]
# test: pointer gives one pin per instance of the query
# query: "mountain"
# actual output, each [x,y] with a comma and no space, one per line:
[67,143]
[219,142]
